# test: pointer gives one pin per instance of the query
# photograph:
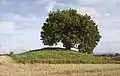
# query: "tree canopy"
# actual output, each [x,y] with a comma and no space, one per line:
[70,27]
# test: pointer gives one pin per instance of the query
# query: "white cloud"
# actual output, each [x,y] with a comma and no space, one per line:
[89,11]
[104,12]
[107,14]
[49,6]
[23,30]
[112,35]
[11,17]
[21,22]
[6,27]
[81,9]
[16,17]
[88,2]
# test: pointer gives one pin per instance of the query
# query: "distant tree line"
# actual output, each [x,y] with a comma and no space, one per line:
[113,56]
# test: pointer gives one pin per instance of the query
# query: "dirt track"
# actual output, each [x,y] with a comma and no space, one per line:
[9,68]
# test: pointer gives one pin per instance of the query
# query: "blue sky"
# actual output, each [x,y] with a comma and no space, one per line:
[21,22]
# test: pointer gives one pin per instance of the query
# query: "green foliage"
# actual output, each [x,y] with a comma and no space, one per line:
[70,28]
[56,57]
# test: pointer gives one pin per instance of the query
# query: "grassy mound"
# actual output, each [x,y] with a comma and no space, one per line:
[58,56]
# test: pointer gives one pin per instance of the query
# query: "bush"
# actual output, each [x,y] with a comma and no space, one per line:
[11,53]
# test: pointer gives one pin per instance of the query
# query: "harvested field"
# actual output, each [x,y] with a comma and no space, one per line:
[10,68]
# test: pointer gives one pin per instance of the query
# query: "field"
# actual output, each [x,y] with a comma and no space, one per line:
[10,68]
[56,63]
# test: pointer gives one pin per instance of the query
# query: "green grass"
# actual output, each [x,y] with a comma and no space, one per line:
[57,57]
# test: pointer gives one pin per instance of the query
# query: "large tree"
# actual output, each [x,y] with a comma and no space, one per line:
[70,27]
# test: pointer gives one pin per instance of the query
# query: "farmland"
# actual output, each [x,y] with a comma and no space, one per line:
[56,63]
[16,69]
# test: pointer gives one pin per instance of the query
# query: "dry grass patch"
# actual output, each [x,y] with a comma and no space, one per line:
[16,69]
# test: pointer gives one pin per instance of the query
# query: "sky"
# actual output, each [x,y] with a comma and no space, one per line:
[21,22]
